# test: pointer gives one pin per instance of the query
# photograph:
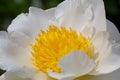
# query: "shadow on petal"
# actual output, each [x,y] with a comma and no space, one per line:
[111,76]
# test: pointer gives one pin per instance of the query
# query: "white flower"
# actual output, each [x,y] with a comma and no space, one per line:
[65,42]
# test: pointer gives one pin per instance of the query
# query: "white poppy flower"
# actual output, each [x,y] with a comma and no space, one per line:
[65,42]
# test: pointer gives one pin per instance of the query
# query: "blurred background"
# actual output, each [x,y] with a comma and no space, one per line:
[9,9]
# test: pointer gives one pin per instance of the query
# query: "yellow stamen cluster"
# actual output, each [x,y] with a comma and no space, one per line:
[51,45]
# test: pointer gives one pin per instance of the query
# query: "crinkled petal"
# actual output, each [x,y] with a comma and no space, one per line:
[20,39]
[30,72]
[112,76]
[61,76]
[88,31]
[3,35]
[111,63]
[113,31]
[41,76]
[15,45]
[116,48]
[5,45]
[79,13]
[12,53]
[11,76]
[108,52]
[33,22]
[75,64]
[102,45]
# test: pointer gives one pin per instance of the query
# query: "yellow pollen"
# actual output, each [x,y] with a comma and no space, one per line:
[51,45]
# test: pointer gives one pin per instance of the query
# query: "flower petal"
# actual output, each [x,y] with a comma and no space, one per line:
[88,31]
[3,35]
[30,72]
[40,76]
[12,53]
[112,76]
[32,22]
[11,76]
[102,45]
[79,13]
[75,64]
[20,39]
[114,33]
[111,63]
[4,45]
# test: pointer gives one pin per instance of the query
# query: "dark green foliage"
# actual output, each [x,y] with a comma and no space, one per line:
[50,3]
[9,9]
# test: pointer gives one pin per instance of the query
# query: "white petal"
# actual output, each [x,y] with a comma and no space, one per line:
[33,22]
[68,78]
[102,45]
[40,76]
[75,64]
[61,76]
[15,49]
[30,72]
[111,63]
[114,33]
[12,53]
[99,21]
[79,13]
[3,35]
[4,45]
[88,31]
[116,48]
[11,76]
[112,76]
[20,39]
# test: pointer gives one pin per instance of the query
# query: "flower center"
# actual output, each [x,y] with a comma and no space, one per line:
[51,45]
